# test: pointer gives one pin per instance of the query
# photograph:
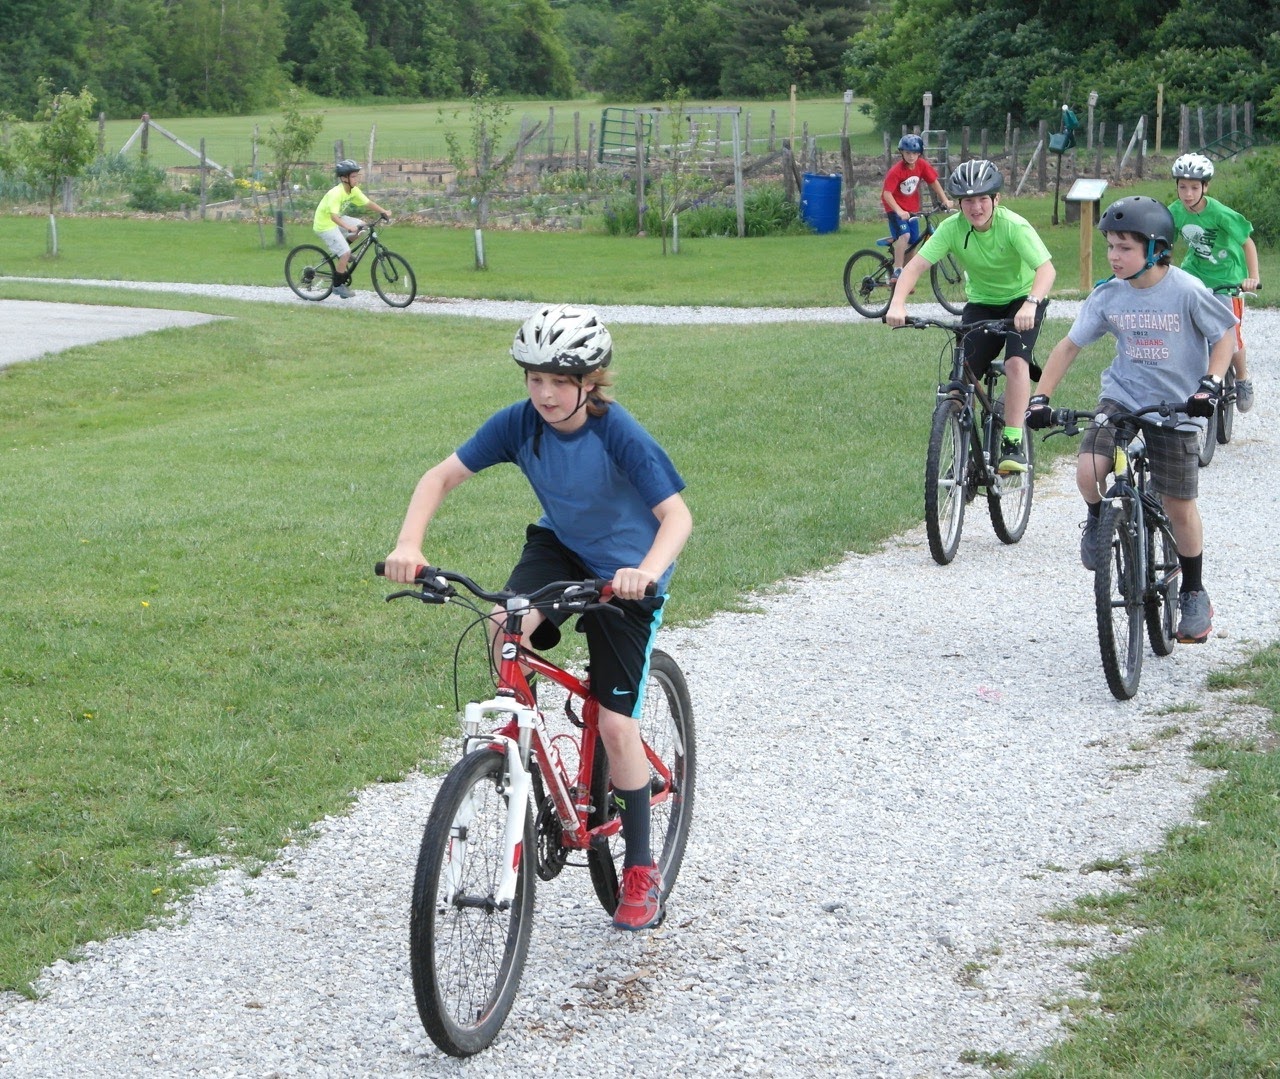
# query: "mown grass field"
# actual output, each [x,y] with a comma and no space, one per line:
[195,658]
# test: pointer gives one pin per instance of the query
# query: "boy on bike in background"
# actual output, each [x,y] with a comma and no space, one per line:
[333,225]
[1173,343]
[901,196]
[1220,251]
[1008,276]
[612,508]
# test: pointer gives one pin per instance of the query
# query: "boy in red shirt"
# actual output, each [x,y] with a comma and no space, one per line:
[901,196]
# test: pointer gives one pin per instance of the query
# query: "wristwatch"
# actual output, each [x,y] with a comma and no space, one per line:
[1034,299]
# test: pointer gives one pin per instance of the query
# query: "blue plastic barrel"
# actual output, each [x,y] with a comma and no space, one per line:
[820,201]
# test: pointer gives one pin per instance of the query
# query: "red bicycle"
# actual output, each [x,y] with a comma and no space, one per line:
[530,792]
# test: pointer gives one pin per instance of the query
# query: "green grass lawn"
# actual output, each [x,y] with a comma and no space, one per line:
[195,658]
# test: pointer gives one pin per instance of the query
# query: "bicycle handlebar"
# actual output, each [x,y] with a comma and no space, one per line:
[590,594]
[986,325]
[1068,419]
[1234,290]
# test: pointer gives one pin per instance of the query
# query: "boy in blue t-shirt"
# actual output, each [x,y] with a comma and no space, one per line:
[612,508]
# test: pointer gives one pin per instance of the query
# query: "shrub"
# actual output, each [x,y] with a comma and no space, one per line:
[150,193]
[1254,190]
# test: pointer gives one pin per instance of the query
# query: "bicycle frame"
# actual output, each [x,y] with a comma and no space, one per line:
[965,384]
[1143,513]
[517,714]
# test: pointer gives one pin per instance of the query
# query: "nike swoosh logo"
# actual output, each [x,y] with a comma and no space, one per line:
[619,692]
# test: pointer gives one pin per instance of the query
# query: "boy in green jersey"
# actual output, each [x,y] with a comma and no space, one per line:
[1220,252]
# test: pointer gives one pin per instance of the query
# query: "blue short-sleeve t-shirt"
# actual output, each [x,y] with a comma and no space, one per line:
[597,485]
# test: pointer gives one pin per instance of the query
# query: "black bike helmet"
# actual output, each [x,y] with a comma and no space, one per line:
[563,340]
[976,177]
[346,167]
[1140,214]
[912,143]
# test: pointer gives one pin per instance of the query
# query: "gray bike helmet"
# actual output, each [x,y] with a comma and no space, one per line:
[346,167]
[1193,167]
[563,339]
[912,143]
[976,177]
[1140,214]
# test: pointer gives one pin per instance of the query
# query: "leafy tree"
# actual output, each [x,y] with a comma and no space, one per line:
[338,46]
[221,55]
[769,46]
[481,171]
[290,143]
[660,42]
[540,61]
[42,39]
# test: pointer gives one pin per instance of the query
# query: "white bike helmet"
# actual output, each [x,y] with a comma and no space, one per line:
[563,339]
[976,177]
[1193,167]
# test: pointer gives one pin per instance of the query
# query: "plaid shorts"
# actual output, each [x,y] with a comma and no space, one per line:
[1174,454]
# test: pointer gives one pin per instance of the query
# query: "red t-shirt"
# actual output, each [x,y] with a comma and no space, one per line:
[905,183]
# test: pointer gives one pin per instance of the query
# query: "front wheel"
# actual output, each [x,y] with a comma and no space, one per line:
[1117,593]
[1161,601]
[1225,414]
[666,725]
[944,481]
[467,951]
[868,282]
[947,280]
[393,279]
[310,272]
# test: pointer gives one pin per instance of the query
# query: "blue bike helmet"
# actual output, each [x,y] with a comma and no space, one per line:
[912,143]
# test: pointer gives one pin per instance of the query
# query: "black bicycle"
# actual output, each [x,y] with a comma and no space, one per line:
[312,272]
[964,447]
[1137,574]
[868,276]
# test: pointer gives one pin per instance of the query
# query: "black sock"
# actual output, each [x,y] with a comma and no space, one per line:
[1192,571]
[1094,508]
[634,808]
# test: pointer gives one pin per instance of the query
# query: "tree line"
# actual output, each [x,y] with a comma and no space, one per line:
[983,60]
[183,57]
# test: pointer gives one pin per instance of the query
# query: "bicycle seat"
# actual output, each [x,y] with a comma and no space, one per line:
[884,241]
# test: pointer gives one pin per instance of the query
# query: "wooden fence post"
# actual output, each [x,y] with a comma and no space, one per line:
[102,133]
[204,183]
[577,140]
[551,136]
[773,129]
[1097,161]
[591,149]
[1042,174]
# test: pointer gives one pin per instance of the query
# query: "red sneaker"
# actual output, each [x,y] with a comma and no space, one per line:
[639,898]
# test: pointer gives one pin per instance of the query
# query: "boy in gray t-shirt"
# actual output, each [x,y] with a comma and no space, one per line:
[1174,344]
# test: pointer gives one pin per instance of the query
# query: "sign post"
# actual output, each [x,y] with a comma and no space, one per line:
[1086,195]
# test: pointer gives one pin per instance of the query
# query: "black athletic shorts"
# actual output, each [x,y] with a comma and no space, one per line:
[982,348]
[618,645]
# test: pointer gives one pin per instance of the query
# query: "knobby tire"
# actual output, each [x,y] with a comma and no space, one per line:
[867,283]
[310,271]
[947,279]
[666,725]
[1161,602]
[1225,414]
[467,956]
[1119,602]
[1009,500]
[944,481]
[393,279]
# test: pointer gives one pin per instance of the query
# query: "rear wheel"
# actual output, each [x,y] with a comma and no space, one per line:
[868,283]
[310,272]
[393,279]
[1225,414]
[1206,442]
[1161,603]
[666,725]
[1117,591]
[948,283]
[944,481]
[466,951]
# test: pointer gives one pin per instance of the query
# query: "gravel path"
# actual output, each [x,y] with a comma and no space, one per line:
[898,778]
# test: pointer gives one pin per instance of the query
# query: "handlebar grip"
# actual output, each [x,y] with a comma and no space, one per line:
[421,575]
